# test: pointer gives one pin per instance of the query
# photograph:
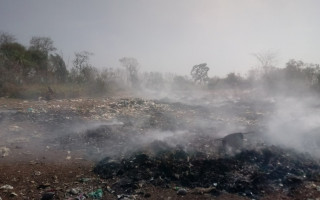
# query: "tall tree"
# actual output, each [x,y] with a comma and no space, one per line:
[43,44]
[82,70]
[267,61]
[12,58]
[81,60]
[58,68]
[13,51]
[6,38]
[199,73]
[40,47]
[38,63]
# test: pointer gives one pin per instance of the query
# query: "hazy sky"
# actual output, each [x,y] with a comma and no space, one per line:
[171,35]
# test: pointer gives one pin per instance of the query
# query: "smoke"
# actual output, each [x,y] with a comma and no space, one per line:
[295,123]
[192,120]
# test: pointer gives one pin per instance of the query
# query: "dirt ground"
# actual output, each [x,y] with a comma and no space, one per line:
[60,178]
[58,167]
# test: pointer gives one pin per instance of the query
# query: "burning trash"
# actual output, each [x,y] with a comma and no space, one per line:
[252,173]
[132,148]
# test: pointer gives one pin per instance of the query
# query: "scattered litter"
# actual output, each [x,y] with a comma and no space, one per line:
[30,110]
[4,151]
[74,191]
[37,173]
[96,194]
[15,128]
[110,190]
[68,156]
[13,194]
[32,162]
[6,187]
[81,197]
[228,174]
[245,173]
[182,191]
[43,186]
[83,180]
[126,197]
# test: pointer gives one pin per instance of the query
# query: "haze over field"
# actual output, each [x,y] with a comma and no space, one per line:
[171,36]
[152,99]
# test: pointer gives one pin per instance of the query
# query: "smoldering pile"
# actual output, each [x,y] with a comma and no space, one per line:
[252,173]
[186,153]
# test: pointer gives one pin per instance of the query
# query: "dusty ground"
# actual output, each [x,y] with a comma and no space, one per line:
[48,153]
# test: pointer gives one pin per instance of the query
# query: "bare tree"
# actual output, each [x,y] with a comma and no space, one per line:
[267,61]
[81,60]
[131,66]
[199,73]
[82,69]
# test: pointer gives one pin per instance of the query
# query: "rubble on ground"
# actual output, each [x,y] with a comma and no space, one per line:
[138,148]
[251,173]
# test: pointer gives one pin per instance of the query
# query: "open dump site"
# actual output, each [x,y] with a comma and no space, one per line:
[209,147]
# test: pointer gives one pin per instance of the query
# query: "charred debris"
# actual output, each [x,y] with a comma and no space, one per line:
[251,173]
[137,142]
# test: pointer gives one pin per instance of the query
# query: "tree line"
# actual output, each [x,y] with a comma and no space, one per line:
[29,71]
[34,70]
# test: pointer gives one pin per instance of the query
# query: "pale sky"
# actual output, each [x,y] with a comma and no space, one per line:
[171,35]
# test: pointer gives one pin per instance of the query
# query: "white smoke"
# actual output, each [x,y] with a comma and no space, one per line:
[295,123]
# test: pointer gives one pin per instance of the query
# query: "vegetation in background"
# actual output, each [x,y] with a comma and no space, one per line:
[38,71]
[199,73]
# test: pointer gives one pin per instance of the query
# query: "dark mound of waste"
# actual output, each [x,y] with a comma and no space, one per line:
[251,172]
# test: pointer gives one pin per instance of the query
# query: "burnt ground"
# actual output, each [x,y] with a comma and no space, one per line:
[133,148]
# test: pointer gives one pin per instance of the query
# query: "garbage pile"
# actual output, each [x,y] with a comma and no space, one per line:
[250,173]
